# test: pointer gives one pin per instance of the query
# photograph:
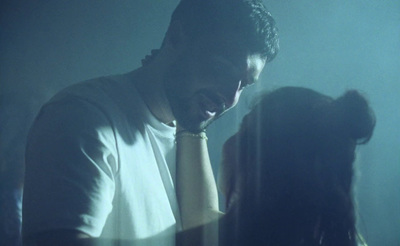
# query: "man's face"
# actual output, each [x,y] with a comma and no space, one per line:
[202,85]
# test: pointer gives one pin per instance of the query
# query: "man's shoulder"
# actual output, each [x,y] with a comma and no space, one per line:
[92,89]
[109,93]
[114,98]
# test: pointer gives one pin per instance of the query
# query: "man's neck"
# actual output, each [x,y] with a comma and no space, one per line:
[149,83]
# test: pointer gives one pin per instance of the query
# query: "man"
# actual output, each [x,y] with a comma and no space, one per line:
[101,155]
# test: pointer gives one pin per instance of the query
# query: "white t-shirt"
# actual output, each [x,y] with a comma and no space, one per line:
[98,161]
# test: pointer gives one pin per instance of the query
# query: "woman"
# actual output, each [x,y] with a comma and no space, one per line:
[287,174]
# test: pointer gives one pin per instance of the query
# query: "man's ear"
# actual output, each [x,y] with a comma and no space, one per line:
[175,38]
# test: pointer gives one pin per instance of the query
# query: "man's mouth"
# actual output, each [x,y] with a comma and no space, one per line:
[209,106]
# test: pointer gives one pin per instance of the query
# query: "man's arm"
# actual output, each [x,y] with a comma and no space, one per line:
[196,188]
[69,172]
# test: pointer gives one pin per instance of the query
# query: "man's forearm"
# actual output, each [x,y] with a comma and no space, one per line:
[196,188]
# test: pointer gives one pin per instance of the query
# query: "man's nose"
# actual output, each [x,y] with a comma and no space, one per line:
[231,93]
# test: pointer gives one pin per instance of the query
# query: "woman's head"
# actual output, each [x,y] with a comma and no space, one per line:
[295,151]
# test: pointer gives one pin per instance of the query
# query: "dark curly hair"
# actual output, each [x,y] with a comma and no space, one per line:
[297,149]
[247,22]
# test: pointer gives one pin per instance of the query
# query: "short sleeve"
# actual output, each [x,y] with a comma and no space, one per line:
[71,162]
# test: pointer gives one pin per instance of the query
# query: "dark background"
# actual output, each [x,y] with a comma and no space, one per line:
[330,46]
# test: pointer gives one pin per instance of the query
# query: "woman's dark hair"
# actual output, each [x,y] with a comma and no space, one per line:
[297,152]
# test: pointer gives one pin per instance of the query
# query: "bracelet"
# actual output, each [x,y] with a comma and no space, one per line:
[184,133]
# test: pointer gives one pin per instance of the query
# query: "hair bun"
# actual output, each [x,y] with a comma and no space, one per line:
[356,118]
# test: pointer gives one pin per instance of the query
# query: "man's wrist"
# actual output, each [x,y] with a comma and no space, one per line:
[186,134]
